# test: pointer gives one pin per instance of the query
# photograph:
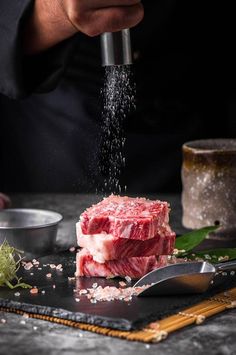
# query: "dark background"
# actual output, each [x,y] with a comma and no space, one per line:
[185,75]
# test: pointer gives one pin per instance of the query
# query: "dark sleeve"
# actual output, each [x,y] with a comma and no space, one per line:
[20,75]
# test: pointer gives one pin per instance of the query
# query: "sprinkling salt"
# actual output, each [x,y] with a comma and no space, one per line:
[118,95]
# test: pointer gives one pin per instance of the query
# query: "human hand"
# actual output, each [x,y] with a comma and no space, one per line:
[4,201]
[53,21]
[94,17]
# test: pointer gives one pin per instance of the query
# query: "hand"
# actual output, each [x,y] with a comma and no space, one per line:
[94,17]
[52,21]
[4,201]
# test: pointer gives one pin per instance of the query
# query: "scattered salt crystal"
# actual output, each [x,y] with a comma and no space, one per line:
[17,294]
[147,346]
[22,322]
[83,292]
[34,291]
[80,335]
[72,249]
[53,286]
[52,266]
[223,258]
[39,268]
[232,273]
[95,285]
[122,283]
[224,273]
[43,292]
[31,273]
[49,275]
[128,279]
[28,265]
[35,328]
[59,267]
[3,321]
[93,300]
[71,278]
[77,299]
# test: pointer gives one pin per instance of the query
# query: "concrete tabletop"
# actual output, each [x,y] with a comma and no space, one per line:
[31,336]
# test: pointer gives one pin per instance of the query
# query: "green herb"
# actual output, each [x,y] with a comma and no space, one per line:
[215,255]
[10,259]
[187,242]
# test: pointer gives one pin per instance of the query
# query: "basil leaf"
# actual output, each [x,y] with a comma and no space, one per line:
[190,240]
[215,255]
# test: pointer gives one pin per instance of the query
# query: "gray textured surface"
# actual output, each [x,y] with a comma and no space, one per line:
[215,336]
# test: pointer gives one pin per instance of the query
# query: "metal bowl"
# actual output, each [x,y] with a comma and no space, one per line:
[33,231]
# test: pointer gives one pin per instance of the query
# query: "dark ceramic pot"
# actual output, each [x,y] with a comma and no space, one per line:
[209,183]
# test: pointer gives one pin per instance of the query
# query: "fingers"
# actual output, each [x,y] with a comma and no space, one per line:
[114,19]
[110,19]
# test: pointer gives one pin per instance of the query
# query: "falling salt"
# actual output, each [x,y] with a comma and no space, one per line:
[118,96]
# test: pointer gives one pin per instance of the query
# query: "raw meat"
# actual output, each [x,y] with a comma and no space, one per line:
[125,217]
[133,267]
[106,247]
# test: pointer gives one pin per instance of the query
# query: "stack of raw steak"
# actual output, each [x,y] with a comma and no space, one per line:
[123,236]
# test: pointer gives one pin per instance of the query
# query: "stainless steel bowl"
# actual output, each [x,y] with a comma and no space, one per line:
[33,231]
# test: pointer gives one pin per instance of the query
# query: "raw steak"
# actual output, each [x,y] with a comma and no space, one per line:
[125,217]
[106,247]
[133,267]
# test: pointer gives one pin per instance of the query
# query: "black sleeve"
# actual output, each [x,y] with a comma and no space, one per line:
[20,75]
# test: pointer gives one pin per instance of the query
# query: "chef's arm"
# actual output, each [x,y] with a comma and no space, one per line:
[52,21]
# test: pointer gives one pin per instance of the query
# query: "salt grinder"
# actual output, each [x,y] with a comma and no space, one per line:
[116,48]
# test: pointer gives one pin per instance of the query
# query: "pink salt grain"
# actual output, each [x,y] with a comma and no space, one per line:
[34,291]
[122,284]
[72,249]
[28,265]
[49,275]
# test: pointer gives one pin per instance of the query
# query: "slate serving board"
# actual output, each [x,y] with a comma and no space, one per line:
[60,301]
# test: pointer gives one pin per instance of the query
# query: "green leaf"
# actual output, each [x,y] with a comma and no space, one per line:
[188,241]
[215,255]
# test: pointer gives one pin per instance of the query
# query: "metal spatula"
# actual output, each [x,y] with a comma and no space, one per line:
[182,278]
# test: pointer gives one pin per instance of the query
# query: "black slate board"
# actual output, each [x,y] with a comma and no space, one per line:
[60,301]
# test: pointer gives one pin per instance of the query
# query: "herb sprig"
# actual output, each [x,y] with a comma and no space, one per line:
[10,259]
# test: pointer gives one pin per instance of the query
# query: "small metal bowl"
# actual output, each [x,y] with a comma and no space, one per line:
[33,231]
